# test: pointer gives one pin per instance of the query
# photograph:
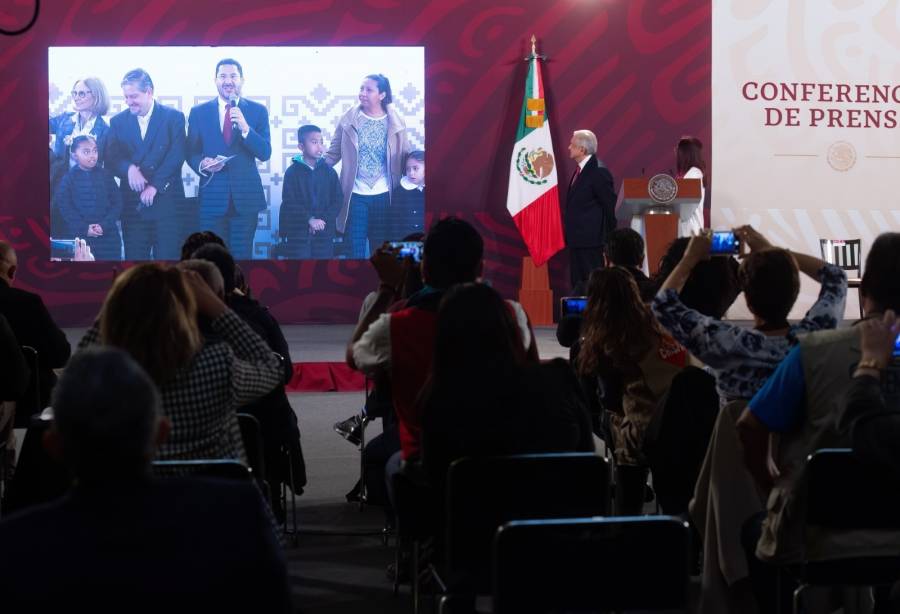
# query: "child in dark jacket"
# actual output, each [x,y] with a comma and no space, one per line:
[310,200]
[89,201]
[407,210]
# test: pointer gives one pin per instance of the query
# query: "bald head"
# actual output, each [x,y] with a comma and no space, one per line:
[8,261]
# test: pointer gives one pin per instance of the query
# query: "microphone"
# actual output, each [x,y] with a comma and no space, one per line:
[232,102]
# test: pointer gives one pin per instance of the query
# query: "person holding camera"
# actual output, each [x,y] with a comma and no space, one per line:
[742,359]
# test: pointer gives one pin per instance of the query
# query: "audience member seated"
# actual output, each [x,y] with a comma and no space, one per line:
[743,358]
[401,343]
[712,286]
[151,312]
[796,413]
[484,398]
[277,419]
[633,362]
[379,404]
[870,415]
[196,240]
[624,248]
[31,322]
[121,540]
[14,376]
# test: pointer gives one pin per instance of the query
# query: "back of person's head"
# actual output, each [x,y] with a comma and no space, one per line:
[625,247]
[208,271]
[712,286]
[881,279]
[150,312]
[618,326]
[196,240]
[770,280]
[477,336]
[8,261]
[223,260]
[689,154]
[453,253]
[106,415]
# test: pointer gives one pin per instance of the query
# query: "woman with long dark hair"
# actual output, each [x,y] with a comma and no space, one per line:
[634,362]
[689,164]
[485,398]
[370,142]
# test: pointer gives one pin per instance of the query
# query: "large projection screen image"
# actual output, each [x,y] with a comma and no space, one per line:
[151,144]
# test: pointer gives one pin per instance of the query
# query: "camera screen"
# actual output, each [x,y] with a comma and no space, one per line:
[724,242]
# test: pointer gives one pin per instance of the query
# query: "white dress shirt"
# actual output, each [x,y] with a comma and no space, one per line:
[223,108]
[144,121]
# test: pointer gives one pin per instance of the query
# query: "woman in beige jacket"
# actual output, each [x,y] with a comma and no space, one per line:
[370,142]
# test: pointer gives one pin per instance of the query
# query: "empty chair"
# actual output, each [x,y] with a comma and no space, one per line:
[847,254]
[845,496]
[484,493]
[591,564]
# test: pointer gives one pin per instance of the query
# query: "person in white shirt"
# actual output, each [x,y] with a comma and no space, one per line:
[689,164]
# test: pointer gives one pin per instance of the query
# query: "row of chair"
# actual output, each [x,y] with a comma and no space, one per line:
[532,532]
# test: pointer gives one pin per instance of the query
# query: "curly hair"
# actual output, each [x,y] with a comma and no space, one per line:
[618,325]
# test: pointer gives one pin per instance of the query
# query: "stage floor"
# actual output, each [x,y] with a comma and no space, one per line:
[327,343]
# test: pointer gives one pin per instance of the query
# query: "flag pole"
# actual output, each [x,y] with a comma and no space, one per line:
[534,293]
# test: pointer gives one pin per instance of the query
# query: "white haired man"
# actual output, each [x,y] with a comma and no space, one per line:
[590,207]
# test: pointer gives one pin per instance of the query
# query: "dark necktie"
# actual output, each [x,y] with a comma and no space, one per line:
[227,130]
[575,176]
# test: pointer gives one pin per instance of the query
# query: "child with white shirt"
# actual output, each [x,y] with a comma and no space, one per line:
[407,210]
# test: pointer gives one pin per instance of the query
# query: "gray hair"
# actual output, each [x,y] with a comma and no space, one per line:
[586,139]
[106,409]
[208,271]
[101,96]
[139,78]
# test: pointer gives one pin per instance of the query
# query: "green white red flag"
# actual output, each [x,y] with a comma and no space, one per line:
[533,196]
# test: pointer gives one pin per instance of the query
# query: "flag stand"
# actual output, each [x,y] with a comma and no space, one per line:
[535,294]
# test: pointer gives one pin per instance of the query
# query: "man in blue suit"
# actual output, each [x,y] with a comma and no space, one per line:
[145,150]
[231,193]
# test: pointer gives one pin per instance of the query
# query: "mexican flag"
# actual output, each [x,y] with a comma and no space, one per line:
[533,196]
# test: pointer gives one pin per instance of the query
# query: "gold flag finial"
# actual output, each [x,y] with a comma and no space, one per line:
[533,45]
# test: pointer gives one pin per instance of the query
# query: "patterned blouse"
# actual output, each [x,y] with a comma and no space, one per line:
[742,359]
[372,150]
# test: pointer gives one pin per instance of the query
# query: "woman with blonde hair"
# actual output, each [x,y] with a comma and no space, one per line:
[151,312]
[633,361]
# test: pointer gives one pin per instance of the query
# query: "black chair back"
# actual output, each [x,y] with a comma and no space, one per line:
[484,493]
[30,402]
[591,564]
[844,493]
[210,468]
[251,434]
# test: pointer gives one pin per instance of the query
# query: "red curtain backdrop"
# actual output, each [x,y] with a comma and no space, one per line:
[636,72]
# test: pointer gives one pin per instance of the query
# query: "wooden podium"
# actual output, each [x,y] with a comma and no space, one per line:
[535,294]
[660,218]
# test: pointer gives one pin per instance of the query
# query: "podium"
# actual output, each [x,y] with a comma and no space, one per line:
[660,218]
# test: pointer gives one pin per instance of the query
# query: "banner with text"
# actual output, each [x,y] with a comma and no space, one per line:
[806,133]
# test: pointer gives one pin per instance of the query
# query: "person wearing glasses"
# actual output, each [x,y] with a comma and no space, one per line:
[91,102]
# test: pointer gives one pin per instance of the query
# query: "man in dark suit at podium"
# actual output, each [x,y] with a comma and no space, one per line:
[236,128]
[590,207]
[145,150]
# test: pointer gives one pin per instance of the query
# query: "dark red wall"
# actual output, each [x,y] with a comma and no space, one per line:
[636,72]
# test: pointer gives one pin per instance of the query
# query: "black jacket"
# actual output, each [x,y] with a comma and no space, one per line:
[176,545]
[306,194]
[277,420]
[31,322]
[590,206]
